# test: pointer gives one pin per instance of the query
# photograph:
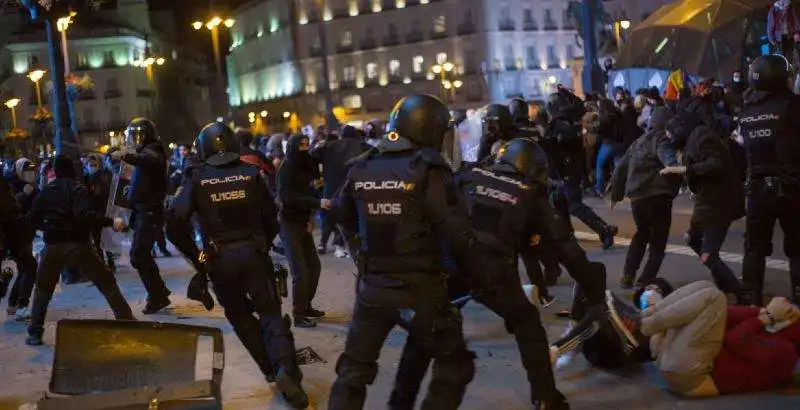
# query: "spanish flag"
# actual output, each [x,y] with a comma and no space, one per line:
[675,83]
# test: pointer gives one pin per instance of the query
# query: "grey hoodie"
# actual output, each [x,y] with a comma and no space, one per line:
[637,175]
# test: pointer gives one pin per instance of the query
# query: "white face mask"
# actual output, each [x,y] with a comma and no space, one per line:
[737,78]
[29,176]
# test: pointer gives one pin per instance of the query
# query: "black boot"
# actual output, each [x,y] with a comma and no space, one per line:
[291,389]
[550,405]
[110,261]
[607,236]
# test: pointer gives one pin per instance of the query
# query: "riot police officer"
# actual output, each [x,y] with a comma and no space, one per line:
[567,160]
[497,126]
[520,116]
[506,210]
[397,205]
[238,221]
[148,188]
[769,127]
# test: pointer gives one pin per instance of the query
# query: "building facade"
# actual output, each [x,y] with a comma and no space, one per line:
[468,52]
[135,73]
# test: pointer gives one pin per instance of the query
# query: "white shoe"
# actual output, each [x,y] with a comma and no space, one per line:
[341,252]
[23,314]
[564,360]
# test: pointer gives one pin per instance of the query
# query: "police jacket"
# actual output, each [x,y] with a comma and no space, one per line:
[63,211]
[397,207]
[770,127]
[9,208]
[149,181]
[232,204]
[296,194]
[486,143]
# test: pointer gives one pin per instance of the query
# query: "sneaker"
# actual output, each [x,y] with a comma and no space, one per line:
[291,390]
[303,322]
[341,252]
[626,282]
[546,300]
[23,314]
[155,307]
[34,340]
[607,236]
[314,313]
[321,249]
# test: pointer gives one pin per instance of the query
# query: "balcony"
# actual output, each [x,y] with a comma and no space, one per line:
[315,51]
[347,84]
[109,94]
[568,24]
[507,25]
[341,48]
[550,25]
[510,65]
[368,44]
[371,82]
[341,13]
[145,93]
[391,40]
[415,37]
[465,28]
[530,26]
[436,35]
[533,65]
[87,95]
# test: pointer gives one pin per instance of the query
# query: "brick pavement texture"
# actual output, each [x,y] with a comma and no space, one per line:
[500,382]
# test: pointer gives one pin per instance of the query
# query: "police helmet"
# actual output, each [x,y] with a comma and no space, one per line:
[216,144]
[770,73]
[421,119]
[500,114]
[524,157]
[140,132]
[519,109]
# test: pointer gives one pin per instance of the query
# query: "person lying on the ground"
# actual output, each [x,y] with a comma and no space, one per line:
[705,348]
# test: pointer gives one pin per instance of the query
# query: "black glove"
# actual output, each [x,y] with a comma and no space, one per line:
[198,290]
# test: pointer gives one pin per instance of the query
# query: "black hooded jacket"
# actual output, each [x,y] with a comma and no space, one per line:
[295,176]
[149,181]
[334,155]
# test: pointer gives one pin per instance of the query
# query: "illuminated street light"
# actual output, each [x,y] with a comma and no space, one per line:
[264,114]
[148,61]
[213,26]
[551,79]
[625,24]
[447,85]
[251,114]
[229,23]
[36,75]
[12,105]
[436,69]
[197,25]
[287,114]
[160,61]
[458,83]
[112,134]
[448,66]
[251,120]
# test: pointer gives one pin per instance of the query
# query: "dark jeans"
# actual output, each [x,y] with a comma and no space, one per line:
[608,153]
[762,213]
[161,241]
[147,227]
[82,257]
[243,282]
[22,254]
[573,197]
[708,241]
[434,328]
[303,264]
[503,296]
[328,228]
[653,217]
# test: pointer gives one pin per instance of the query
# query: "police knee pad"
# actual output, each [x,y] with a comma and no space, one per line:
[354,373]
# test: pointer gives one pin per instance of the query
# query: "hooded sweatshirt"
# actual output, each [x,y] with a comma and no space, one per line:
[334,155]
[295,176]
[637,175]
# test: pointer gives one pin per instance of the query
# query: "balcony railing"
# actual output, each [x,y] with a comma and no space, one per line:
[87,95]
[368,44]
[112,94]
[144,93]
[347,84]
[530,26]
[533,64]
[341,48]
[435,35]
[507,25]
[391,40]
[415,37]
[550,25]
[465,28]
[511,65]
[395,79]
[315,51]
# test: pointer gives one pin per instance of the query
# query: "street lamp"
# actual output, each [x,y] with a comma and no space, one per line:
[35,76]
[287,114]
[445,71]
[12,105]
[62,24]
[213,26]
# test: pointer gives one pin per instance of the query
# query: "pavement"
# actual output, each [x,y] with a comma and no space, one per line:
[500,382]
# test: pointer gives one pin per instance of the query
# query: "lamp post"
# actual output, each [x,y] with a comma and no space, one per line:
[213,25]
[447,78]
[148,62]
[12,105]
[62,24]
[593,77]
[35,76]
[621,23]
[330,117]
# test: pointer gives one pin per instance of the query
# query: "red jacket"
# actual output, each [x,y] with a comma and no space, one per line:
[753,359]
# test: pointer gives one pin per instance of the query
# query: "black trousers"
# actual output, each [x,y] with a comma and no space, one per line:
[434,329]
[573,195]
[244,283]
[82,257]
[708,241]
[304,264]
[147,227]
[161,241]
[21,252]
[328,228]
[762,213]
[534,257]
[653,218]
[504,296]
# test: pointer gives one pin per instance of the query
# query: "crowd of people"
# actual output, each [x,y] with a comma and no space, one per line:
[427,226]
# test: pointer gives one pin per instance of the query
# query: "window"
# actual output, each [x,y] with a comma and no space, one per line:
[418,61]
[505,14]
[467,17]
[392,30]
[537,87]
[548,16]
[83,60]
[551,54]
[441,58]
[372,71]
[88,116]
[527,16]
[352,101]
[531,57]
[570,52]
[347,38]
[34,61]
[108,57]
[439,25]
[349,74]
[394,68]
[509,56]
[113,113]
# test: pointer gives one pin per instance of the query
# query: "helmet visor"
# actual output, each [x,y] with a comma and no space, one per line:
[134,136]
